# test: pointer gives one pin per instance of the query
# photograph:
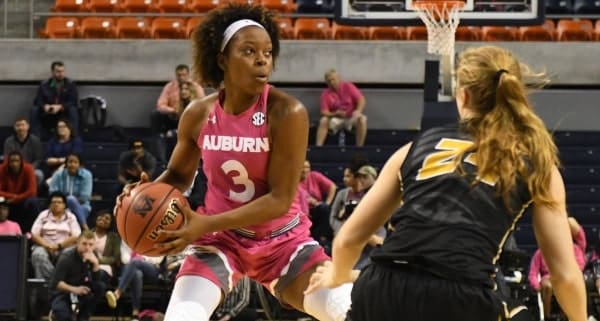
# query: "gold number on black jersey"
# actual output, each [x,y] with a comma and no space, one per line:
[442,162]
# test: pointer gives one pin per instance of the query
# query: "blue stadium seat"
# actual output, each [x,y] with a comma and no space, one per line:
[586,7]
[103,169]
[559,6]
[576,138]
[585,214]
[579,155]
[583,194]
[103,151]
[581,175]
[107,188]
[335,154]
[524,235]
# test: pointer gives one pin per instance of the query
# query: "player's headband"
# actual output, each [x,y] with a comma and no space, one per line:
[235,27]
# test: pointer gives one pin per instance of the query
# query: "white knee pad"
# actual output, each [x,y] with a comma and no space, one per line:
[329,304]
[194,298]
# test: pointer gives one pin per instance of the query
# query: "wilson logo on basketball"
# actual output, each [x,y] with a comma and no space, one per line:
[168,219]
[143,205]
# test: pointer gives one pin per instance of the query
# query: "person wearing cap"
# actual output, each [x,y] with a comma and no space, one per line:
[135,161]
[347,199]
[7,227]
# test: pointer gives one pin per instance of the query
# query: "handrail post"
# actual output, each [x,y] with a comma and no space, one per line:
[5,32]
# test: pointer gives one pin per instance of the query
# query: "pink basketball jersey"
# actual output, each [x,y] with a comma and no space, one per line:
[235,154]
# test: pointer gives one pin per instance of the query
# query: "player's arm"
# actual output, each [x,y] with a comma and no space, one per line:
[370,214]
[186,154]
[554,238]
[289,139]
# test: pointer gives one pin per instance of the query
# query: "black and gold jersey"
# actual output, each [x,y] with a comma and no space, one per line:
[449,225]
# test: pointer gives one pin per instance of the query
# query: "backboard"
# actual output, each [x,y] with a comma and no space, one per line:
[474,13]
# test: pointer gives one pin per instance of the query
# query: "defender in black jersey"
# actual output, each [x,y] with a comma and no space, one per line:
[461,190]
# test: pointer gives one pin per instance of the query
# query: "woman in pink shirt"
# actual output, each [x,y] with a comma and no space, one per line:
[321,191]
[539,275]
[7,227]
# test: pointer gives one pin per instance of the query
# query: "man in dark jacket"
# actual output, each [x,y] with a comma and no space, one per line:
[56,98]
[76,284]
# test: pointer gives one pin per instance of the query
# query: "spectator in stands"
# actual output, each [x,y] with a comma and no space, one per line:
[165,118]
[19,189]
[539,274]
[235,302]
[54,230]
[56,98]
[342,106]
[76,183]
[63,143]
[76,283]
[108,244]
[358,182]
[7,227]
[321,191]
[135,161]
[137,270]
[28,144]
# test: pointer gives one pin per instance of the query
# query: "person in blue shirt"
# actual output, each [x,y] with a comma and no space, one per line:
[76,183]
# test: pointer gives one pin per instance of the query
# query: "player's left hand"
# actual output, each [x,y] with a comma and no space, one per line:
[325,277]
[195,226]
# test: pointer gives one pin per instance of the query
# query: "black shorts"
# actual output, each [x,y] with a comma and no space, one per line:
[384,293]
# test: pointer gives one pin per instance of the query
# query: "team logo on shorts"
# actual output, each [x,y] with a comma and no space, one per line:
[258,119]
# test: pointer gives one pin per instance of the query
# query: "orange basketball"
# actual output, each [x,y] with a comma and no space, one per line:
[148,209]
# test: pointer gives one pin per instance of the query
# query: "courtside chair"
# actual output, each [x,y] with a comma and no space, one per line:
[60,27]
[133,28]
[168,28]
[499,33]
[97,28]
[545,32]
[312,28]
[574,30]
[341,32]
[387,33]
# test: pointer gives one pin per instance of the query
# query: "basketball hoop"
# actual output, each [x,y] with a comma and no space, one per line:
[441,19]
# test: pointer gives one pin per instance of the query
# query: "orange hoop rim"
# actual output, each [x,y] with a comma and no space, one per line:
[439,5]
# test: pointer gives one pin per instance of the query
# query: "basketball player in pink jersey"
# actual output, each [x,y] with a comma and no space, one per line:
[252,140]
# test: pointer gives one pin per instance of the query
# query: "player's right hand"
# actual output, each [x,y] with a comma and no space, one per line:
[144,178]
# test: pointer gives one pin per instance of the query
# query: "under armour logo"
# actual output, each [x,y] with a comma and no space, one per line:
[143,205]
[258,119]
[212,119]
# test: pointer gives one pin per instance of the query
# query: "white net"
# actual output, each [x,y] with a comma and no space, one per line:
[441,21]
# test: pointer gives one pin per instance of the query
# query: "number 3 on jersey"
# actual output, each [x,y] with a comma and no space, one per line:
[240,179]
[443,161]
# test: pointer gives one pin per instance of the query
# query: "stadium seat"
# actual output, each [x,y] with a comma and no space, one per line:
[133,28]
[168,28]
[312,28]
[138,6]
[574,30]
[97,27]
[171,6]
[103,5]
[597,30]
[586,7]
[468,33]
[60,27]
[191,25]
[286,28]
[416,33]
[203,5]
[387,33]
[340,32]
[545,32]
[279,5]
[583,194]
[499,33]
[69,6]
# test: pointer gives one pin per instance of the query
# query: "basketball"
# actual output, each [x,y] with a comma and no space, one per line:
[149,209]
